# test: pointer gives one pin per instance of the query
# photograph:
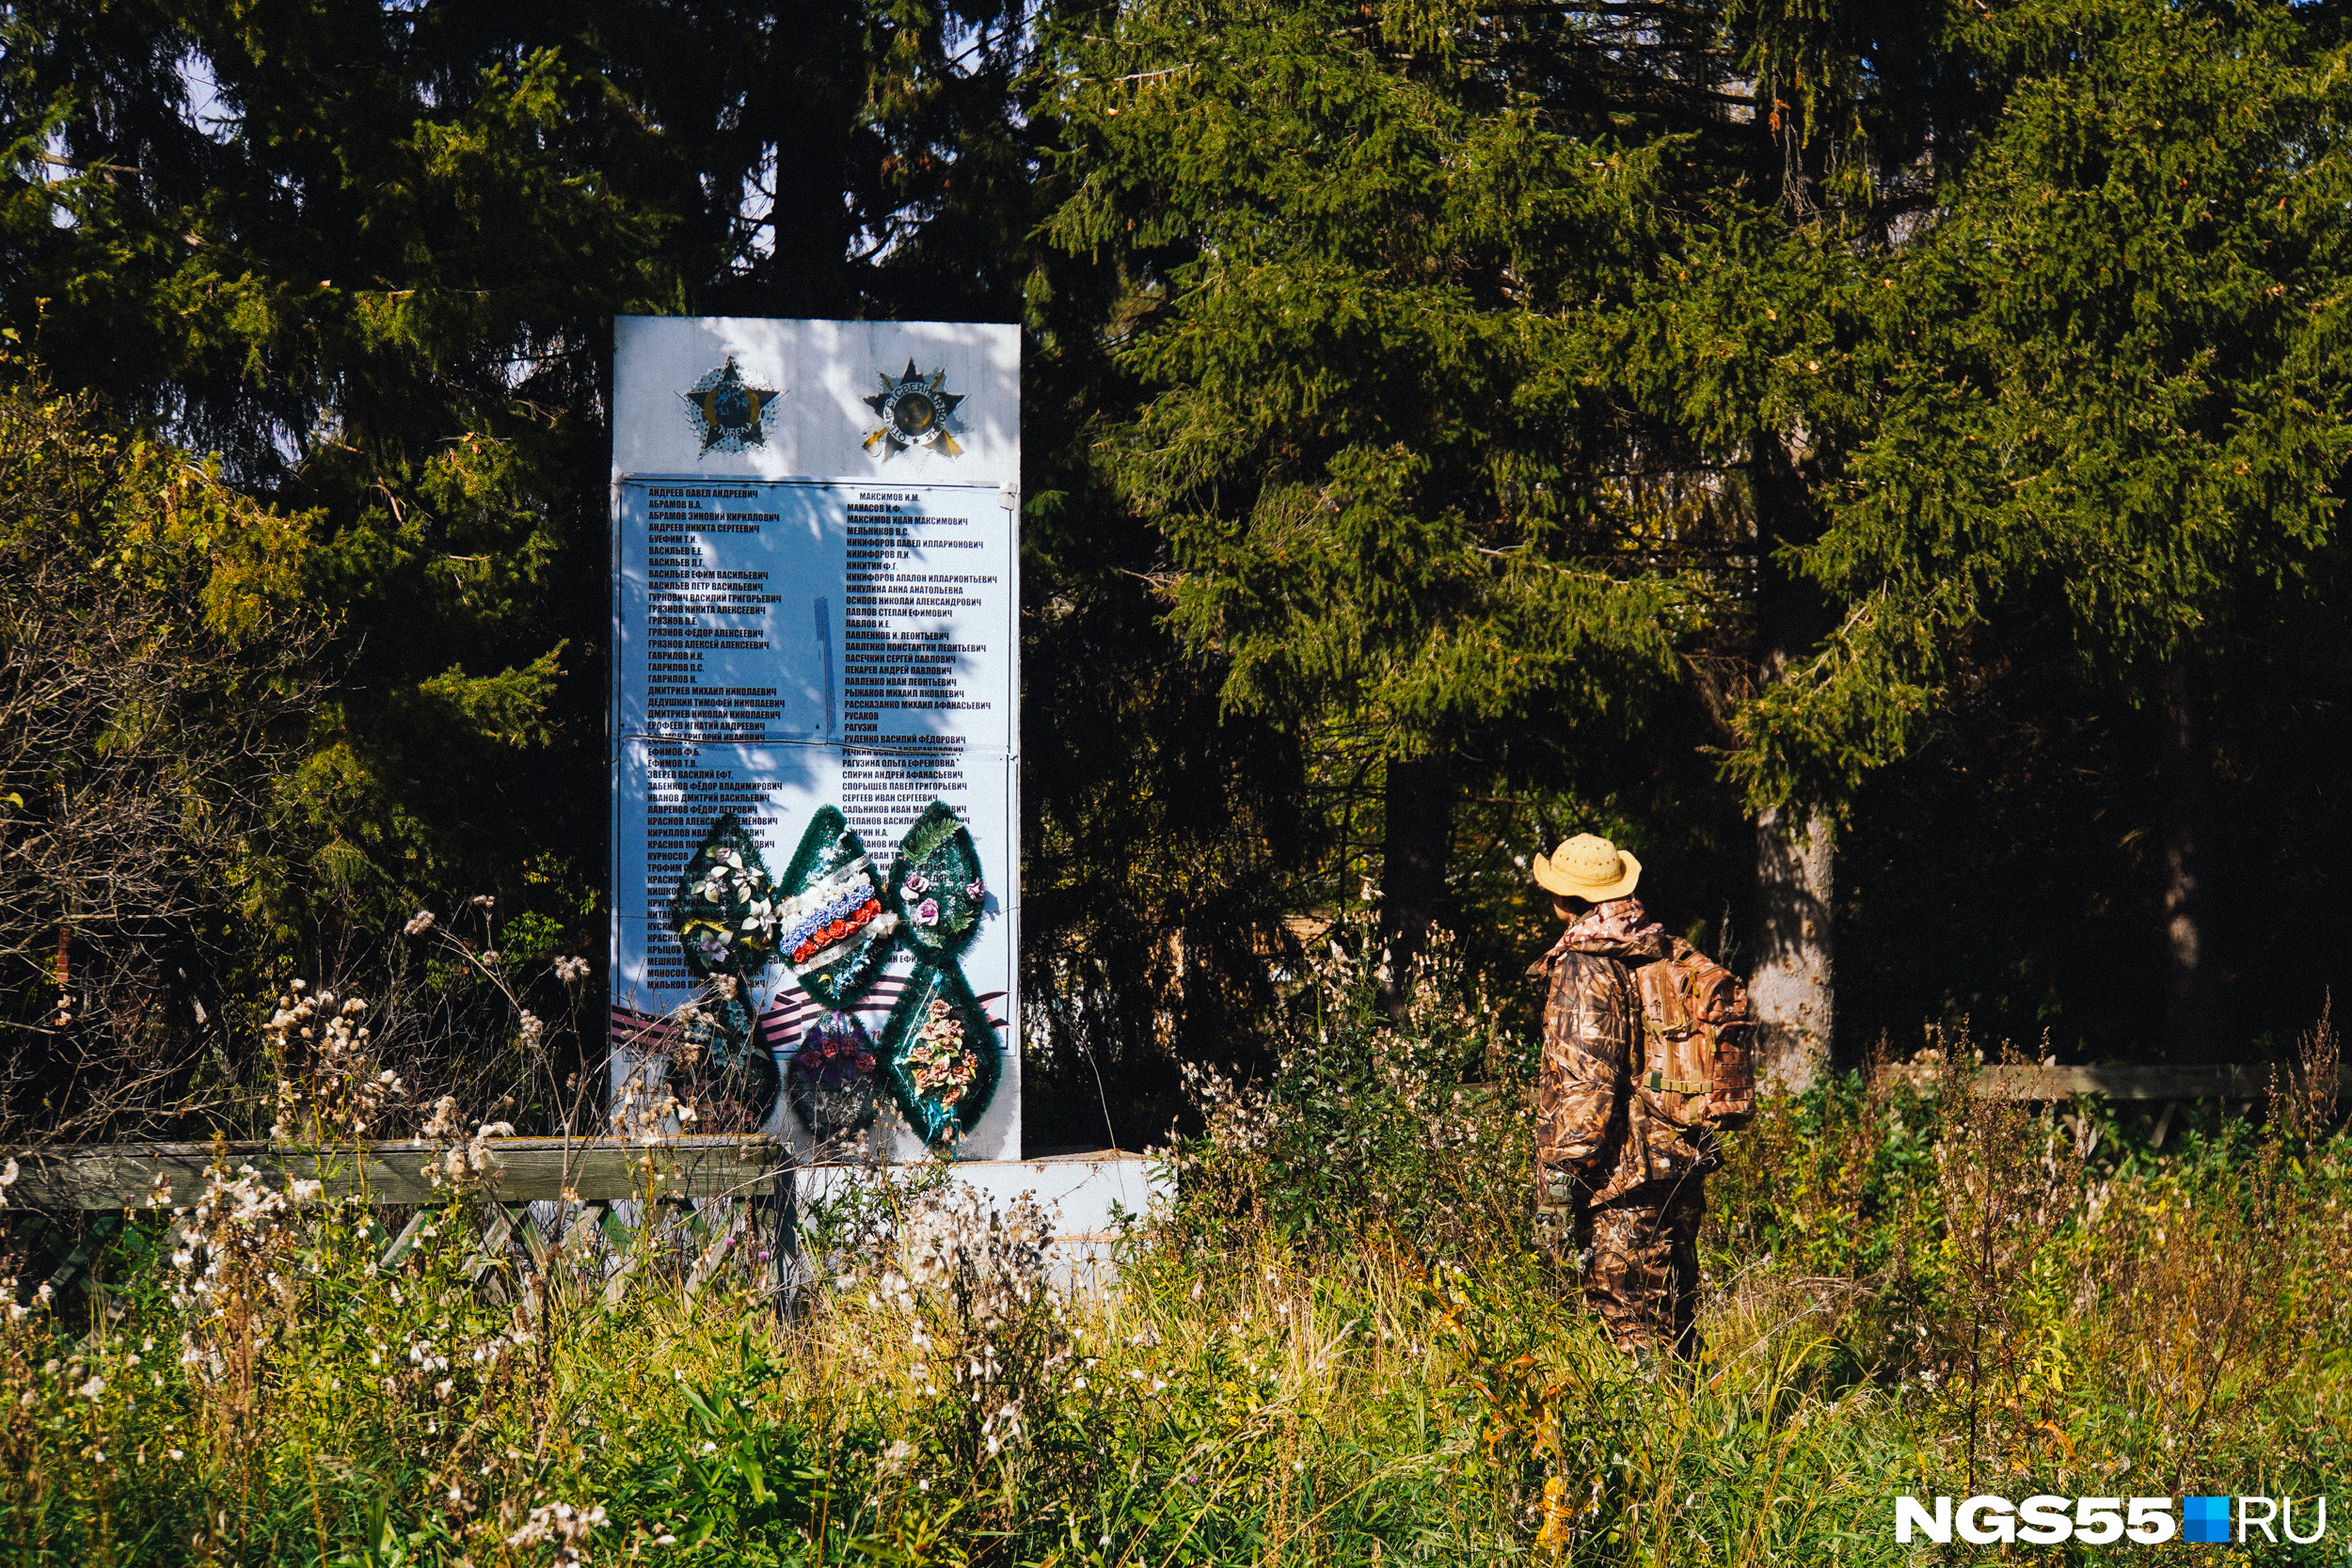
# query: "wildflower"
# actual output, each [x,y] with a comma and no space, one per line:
[571,971]
[562,1523]
[91,1389]
[483,900]
[532,1027]
[7,1180]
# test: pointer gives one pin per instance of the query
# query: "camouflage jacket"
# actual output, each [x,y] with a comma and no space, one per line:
[1597,1137]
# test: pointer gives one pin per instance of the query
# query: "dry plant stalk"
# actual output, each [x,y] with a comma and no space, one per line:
[2303,1105]
[2006,1181]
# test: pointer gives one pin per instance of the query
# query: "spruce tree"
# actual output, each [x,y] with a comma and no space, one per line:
[2102,382]
[370,254]
[1369,296]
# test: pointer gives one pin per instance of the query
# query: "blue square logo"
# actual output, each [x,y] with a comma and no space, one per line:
[2205,1520]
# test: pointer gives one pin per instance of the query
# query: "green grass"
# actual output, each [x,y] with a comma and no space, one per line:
[1351,1358]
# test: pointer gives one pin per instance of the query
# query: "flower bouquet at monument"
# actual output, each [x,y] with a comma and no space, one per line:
[724,907]
[943,1055]
[939,1062]
[936,887]
[835,928]
[833,1079]
[724,914]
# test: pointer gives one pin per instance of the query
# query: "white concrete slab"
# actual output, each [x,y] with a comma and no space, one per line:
[1084,1195]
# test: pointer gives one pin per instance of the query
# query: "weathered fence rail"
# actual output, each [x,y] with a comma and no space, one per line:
[587,1175]
[2032,1081]
[2035,1082]
[605,1170]
[586,1170]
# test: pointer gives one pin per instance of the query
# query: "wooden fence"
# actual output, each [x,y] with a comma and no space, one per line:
[106,1181]
[2032,1080]
[588,1171]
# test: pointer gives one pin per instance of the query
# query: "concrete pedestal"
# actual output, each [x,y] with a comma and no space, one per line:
[1084,1194]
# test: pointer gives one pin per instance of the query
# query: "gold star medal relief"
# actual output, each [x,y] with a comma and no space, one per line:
[915,412]
[729,413]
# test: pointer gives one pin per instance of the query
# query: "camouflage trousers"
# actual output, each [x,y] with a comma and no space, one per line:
[1637,1259]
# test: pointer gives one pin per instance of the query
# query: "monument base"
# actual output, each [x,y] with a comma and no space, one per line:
[1084,1195]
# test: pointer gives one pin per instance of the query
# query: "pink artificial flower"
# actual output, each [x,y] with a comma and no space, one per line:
[918,883]
[927,912]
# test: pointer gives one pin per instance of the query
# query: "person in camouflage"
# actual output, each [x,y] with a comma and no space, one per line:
[1619,1186]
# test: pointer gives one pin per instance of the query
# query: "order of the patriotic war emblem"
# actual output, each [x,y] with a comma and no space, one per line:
[728,412]
[915,412]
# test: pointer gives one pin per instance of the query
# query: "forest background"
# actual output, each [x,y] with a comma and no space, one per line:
[1876,463]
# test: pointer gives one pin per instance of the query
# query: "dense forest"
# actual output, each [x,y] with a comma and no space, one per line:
[1876,462]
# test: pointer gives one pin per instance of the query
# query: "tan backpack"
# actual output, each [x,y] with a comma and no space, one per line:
[1697,1034]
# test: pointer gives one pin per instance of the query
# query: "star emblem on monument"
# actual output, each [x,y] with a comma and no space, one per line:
[729,413]
[915,412]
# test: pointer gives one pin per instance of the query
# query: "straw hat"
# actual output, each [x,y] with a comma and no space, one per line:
[1589,867]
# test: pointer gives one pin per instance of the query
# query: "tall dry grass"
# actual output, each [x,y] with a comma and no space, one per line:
[1315,1357]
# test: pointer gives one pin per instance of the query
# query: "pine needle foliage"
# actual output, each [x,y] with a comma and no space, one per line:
[2103,381]
[368,254]
[1366,305]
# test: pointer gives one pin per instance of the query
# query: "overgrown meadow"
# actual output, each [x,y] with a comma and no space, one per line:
[1339,1346]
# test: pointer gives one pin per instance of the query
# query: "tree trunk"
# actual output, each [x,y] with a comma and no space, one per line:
[1794,985]
[2192,1018]
[1418,836]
